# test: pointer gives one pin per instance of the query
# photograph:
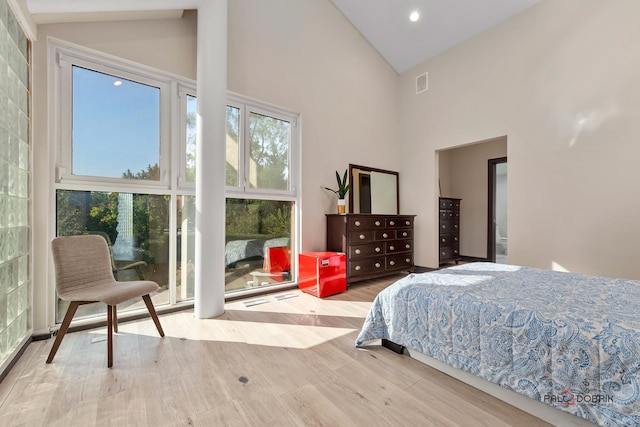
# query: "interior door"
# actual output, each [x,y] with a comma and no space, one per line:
[497,239]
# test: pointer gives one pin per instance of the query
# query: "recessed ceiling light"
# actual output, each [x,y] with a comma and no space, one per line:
[117,83]
[414,16]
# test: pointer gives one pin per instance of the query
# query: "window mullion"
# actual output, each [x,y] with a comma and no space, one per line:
[246,149]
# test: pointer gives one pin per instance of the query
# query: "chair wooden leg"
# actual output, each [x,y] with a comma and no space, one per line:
[109,336]
[115,319]
[152,312]
[71,311]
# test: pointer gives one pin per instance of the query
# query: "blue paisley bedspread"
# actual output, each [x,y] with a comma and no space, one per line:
[568,340]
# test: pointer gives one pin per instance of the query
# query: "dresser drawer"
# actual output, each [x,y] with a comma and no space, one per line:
[450,204]
[359,223]
[384,234]
[397,246]
[367,250]
[449,252]
[396,262]
[449,239]
[366,266]
[361,236]
[446,204]
[399,222]
[449,215]
[404,234]
[449,227]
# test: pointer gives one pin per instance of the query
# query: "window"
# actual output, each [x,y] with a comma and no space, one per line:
[115,123]
[136,228]
[261,149]
[261,172]
[116,126]
[115,175]
[188,121]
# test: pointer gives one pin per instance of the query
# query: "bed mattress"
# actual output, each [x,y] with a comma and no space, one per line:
[568,340]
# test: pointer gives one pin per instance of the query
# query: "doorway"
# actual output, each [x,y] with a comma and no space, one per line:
[497,239]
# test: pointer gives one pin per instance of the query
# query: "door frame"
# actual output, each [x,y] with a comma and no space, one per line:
[491,220]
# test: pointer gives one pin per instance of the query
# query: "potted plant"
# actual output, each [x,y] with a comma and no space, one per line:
[343,188]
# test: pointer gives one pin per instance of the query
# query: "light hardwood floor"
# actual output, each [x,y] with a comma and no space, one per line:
[286,362]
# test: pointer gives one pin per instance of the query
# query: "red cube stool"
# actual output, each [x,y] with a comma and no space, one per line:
[322,273]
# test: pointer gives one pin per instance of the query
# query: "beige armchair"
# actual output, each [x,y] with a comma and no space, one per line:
[84,275]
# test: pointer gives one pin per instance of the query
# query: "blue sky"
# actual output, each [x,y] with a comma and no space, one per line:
[115,128]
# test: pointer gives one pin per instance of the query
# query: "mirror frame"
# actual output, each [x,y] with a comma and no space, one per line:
[370,169]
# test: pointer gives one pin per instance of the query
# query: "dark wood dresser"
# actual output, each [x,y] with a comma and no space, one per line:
[449,226]
[375,245]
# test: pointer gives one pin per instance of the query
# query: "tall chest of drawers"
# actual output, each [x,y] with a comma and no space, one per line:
[449,225]
[375,245]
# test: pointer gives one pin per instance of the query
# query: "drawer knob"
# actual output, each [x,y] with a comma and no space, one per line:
[378,249]
[362,236]
[442,253]
[392,222]
[357,223]
[455,226]
[455,238]
[392,262]
[444,240]
[377,265]
[408,222]
[408,246]
[377,223]
[455,251]
[357,251]
[385,235]
[391,248]
[444,226]
[408,260]
[404,234]
[358,267]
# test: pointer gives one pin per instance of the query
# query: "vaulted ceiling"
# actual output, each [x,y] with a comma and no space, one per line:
[384,23]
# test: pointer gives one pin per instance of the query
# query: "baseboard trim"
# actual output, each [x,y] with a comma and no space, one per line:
[420,269]
[13,359]
[473,259]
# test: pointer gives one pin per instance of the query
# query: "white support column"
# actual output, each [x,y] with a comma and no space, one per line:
[211,154]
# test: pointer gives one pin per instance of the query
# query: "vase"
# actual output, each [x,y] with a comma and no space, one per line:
[342,209]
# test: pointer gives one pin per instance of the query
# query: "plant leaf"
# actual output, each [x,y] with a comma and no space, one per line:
[330,189]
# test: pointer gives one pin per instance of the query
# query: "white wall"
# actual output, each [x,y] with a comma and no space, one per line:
[467,178]
[561,82]
[306,57]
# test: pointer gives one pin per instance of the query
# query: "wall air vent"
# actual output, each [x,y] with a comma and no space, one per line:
[422,83]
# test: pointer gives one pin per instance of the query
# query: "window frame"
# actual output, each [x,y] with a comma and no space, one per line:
[65,59]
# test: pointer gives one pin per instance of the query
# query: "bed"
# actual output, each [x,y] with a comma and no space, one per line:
[567,340]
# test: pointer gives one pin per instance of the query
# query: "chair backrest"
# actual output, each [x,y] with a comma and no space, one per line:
[109,245]
[80,261]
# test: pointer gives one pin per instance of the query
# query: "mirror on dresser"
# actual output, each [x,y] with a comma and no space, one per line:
[373,191]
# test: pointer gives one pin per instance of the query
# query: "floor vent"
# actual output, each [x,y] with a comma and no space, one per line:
[285,296]
[255,302]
